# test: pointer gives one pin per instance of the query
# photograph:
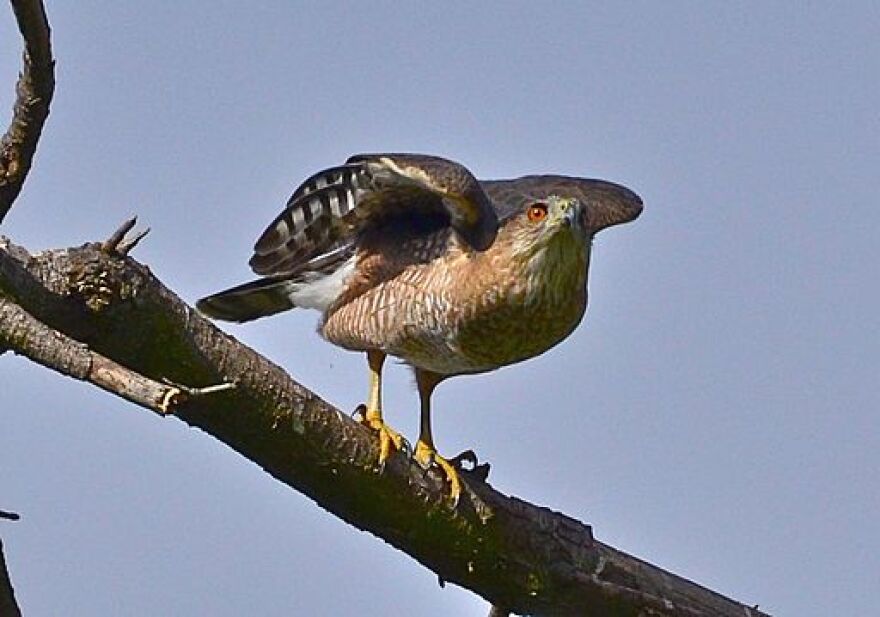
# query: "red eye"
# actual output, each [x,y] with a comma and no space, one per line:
[537,212]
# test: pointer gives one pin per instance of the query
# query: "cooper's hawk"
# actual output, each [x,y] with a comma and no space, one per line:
[410,256]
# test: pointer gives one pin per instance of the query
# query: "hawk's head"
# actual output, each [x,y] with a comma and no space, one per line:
[551,221]
[544,211]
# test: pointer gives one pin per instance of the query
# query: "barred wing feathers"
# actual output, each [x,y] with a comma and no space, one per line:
[308,252]
[331,208]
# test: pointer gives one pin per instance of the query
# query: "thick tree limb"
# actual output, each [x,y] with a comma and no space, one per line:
[516,555]
[33,97]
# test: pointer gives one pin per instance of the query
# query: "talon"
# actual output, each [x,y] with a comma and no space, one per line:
[425,455]
[359,413]
[389,440]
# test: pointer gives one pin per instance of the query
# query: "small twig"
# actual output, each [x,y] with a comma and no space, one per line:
[178,394]
[128,244]
[111,244]
[10,516]
[118,243]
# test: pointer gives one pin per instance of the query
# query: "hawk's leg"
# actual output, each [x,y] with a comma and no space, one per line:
[388,437]
[425,452]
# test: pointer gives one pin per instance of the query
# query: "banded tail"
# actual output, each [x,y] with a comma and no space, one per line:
[318,287]
[250,301]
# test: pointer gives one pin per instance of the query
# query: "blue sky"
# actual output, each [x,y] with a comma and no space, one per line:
[717,411]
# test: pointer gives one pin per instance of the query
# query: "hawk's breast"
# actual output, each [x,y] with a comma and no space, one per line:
[469,312]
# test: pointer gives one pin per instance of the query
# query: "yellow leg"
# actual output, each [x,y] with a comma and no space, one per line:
[425,452]
[388,438]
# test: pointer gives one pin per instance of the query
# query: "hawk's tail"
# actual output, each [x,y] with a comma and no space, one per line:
[259,298]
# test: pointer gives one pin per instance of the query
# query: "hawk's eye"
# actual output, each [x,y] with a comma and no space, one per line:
[537,212]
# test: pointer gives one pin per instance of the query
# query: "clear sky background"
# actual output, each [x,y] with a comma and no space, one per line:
[717,411]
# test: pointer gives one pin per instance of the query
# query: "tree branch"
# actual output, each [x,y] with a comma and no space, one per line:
[519,556]
[33,96]
[22,332]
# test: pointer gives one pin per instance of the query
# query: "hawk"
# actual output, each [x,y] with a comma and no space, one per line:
[410,256]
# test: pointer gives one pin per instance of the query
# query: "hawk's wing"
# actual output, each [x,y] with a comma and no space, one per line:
[328,212]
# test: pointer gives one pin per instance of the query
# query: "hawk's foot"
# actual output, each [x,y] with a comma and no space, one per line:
[390,441]
[425,454]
